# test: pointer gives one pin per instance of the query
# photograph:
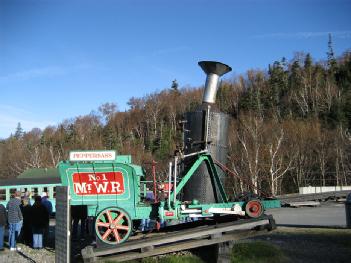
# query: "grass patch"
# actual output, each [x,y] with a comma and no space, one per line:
[180,259]
[166,259]
[257,252]
[318,231]
[340,237]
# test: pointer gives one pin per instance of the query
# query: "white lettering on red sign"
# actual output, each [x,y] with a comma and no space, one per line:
[104,183]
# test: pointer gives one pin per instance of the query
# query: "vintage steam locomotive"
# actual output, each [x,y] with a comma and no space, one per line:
[111,186]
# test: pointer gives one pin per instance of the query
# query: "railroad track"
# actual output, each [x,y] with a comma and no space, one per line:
[181,240]
[286,199]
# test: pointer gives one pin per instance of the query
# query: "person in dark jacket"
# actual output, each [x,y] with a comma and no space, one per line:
[3,222]
[146,224]
[15,219]
[27,235]
[39,219]
[79,213]
[48,205]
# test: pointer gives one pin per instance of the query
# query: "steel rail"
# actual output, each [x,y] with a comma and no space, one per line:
[312,197]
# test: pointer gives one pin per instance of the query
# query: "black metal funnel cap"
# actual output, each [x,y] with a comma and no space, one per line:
[214,67]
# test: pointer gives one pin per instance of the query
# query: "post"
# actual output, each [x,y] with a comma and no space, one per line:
[175,181]
[207,130]
[348,210]
[169,184]
[154,176]
[62,227]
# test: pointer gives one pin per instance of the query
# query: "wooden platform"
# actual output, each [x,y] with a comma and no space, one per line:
[180,240]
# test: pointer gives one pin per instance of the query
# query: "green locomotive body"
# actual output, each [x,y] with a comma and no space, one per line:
[114,194]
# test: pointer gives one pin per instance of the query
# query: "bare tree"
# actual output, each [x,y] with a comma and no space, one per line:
[250,138]
[280,162]
[107,110]
[152,110]
[342,168]
[301,140]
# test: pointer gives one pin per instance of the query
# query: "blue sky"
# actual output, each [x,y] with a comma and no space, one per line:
[62,59]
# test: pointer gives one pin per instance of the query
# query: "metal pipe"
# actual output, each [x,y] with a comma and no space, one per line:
[213,70]
[175,180]
[195,153]
[211,87]
[207,130]
[154,178]
[169,184]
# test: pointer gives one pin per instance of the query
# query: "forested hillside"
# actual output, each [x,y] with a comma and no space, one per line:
[290,127]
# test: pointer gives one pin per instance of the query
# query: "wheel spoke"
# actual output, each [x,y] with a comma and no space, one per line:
[109,217]
[103,224]
[118,218]
[107,233]
[115,232]
[122,227]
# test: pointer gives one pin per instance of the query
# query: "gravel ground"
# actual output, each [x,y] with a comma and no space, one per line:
[28,254]
[330,213]
[312,245]
[45,255]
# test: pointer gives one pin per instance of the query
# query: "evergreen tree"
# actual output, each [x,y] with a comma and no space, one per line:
[278,82]
[109,137]
[330,54]
[343,80]
[174,85]
[308,61]
[19,131]
[294,85]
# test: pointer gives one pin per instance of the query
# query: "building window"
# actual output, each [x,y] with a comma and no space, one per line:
[34,192]
[12,192]
[2,194]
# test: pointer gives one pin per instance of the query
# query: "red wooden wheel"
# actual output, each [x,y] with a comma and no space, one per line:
[113,225]
[254,208]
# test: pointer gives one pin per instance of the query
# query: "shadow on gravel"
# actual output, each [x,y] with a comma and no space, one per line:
[26,257]
[313,245]
[310,226]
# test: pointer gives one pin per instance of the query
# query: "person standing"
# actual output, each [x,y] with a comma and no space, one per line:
[48,205]
[15,219]
[27,235]
[145,224]
[79,213]
[162,197]
[39,219]
[3,221]
[46,202]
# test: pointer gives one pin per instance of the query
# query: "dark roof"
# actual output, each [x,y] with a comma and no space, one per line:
[30,181]
[34,176]
[39,173]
